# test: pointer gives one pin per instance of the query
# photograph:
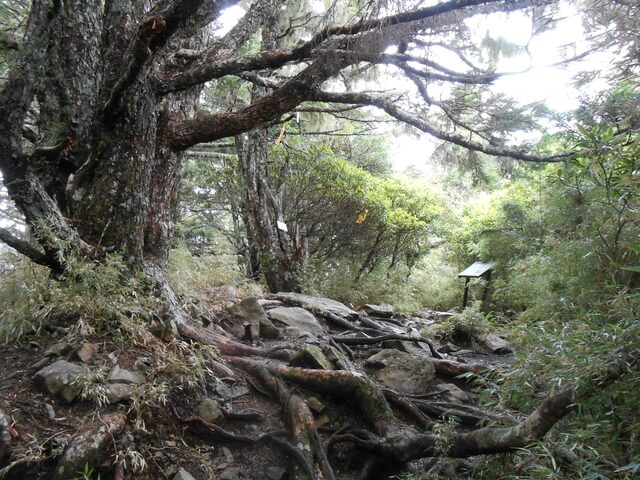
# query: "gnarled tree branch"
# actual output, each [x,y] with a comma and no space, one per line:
[25,248]
[423,125]
[206,70]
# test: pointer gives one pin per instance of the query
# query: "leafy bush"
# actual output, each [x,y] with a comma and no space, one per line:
[463,326]
[195,277]
[91,296]
[431,283]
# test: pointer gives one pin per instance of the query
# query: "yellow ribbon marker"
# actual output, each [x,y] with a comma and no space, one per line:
[362,217]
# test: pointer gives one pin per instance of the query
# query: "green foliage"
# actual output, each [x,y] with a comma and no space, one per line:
[86,473]
[195,276]
[344,210]
[602,435]
[92,296]
[566,243]
[462,327]
[431,282]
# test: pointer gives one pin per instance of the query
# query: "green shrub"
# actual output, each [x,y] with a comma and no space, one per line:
[431,283]
[92,296]
[195,276]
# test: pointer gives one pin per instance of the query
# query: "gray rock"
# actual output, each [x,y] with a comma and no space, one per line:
[183,475]
[51,413]
[275,473]
[59,379]
[402,372]
[231,474]
[405,346]
[5,435]
[293,332]
[268,304]
[450,348]
[382,311]
[250,314]
[118,392]
[493,343]
[269,331]
[58,348]
[450,393]
[318,304]
[338,358]
[311,356]
[230,392]
[209,410]
[299,318]
[120,375]
[228,456]
[89,446]
[86,352]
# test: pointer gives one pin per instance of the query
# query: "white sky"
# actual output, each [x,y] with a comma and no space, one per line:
[540,80]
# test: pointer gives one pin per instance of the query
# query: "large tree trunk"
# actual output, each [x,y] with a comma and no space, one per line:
[278,262]
[276,255]
[101,177]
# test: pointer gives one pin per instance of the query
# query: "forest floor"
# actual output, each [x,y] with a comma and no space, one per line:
[229,427]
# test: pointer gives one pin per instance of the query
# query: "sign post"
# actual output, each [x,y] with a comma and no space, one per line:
[476,270]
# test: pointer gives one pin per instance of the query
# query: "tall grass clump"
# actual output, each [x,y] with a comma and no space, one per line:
[93,296]
[196,275]
[431,283]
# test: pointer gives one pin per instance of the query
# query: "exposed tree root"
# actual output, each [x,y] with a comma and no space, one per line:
[337,383]
[387,440]
[227,346]
[383,338]
[409,408]
[338,321]
[248,416]
[449,368]
[300,418]
[467,415]
[269,438]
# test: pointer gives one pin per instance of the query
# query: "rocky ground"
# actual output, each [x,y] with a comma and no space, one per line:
[299,387]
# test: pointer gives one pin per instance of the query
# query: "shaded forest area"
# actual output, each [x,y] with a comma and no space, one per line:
[211,266]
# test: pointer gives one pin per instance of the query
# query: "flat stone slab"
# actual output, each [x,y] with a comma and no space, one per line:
[402,372]
[183,475]
[317,304]
[59,379]
[382,311]
[250,313]
[86,352]
[299,318]
[229,393]
[120,375]
[493,343]
[118,392]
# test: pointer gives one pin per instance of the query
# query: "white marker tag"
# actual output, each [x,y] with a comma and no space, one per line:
[282,226]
